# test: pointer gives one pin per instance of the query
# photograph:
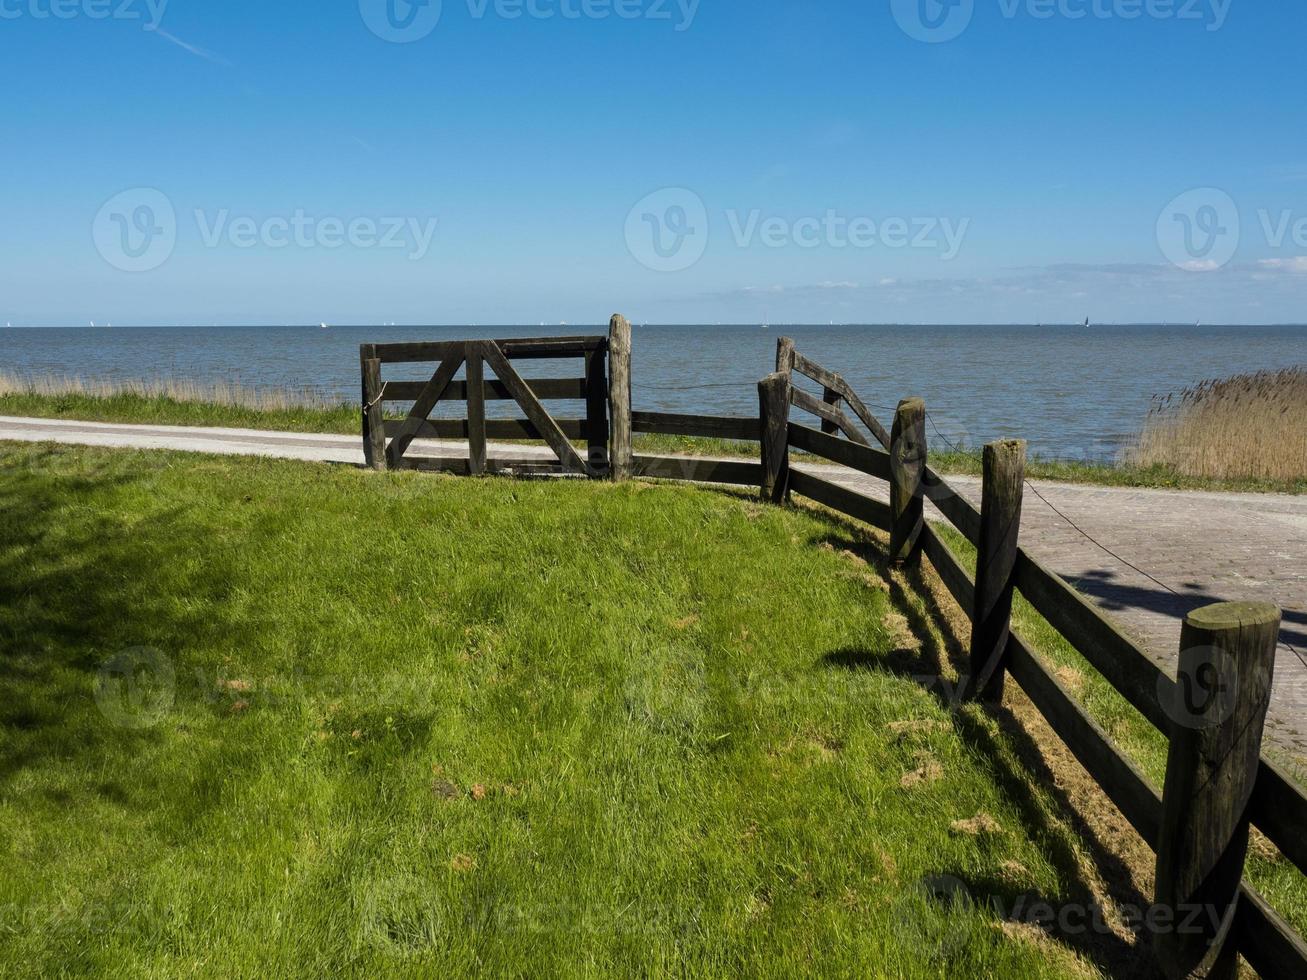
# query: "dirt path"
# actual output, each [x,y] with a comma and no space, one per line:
[1199,547]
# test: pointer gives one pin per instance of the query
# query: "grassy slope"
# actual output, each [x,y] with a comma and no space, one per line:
[344,419]
[679,770]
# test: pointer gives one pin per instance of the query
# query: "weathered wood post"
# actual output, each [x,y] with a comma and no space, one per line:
[774,417]
[374,415]
[996,557]
[907,468]
[619,398]
[596,413]
[785,356]
[476,408]
[1217,710]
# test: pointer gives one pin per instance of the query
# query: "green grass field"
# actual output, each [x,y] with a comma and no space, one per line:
[134,408]
[391,724]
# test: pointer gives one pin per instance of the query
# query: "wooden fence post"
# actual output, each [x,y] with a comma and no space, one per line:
[619,398]
[374,415]
[476,408]
[596,413]
[785,356]
[907,468]
[774,416]
[1227,661]
[996,557]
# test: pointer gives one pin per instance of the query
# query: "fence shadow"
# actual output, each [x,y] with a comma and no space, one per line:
[1017,762]
[1115,595]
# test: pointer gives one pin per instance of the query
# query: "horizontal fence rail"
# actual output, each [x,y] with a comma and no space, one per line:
[701,426]
[857,456]
[494,429]
[513,348]
[1113,654]
[701,469]
[545,389]
[835,390]
[846,501]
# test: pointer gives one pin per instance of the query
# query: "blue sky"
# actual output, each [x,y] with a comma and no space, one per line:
[681,161]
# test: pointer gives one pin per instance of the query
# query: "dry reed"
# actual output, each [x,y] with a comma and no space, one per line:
[1249,426]
[266,398]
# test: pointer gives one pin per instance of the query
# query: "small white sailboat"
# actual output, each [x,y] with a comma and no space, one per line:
[325,327]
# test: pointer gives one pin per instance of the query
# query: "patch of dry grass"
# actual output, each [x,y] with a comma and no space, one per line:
[266,398]
[1249,426]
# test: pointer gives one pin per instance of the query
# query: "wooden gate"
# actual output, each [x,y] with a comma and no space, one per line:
[386,442]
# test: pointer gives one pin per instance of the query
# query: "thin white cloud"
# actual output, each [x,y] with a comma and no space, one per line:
[193,49]
[1296,264]
[1073,283]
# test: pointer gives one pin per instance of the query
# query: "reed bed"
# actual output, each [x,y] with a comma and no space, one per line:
[233,394]
[1248,426]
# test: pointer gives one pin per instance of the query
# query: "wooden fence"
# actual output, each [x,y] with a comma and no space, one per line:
[1217,782]
[472,357]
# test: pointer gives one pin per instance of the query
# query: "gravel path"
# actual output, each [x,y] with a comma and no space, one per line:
[1201,547]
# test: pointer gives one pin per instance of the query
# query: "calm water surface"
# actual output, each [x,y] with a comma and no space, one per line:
[1073,392]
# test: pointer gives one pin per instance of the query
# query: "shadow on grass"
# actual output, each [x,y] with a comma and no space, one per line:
[79,585]
[1017,764]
